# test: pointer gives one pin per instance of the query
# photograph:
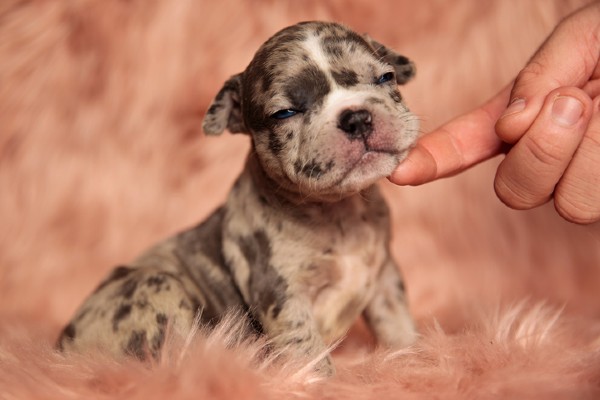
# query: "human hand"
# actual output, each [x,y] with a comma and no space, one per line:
[550,131]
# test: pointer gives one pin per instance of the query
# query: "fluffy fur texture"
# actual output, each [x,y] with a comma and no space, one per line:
[101,155]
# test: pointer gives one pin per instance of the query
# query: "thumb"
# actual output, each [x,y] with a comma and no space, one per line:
[455,146]
[569,57]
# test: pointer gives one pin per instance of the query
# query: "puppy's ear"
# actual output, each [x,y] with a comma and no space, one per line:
[225,112]
[405,69]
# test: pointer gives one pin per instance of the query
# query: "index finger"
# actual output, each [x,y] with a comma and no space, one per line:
[455,146]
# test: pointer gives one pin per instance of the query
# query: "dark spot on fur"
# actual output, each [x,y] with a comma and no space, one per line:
[68,333]
[401,60]
[141,304]
[231,85]
[209,314]
[161,319]
[157,282]
[372,320]
[118,273]
[236,184]
[298,324]
[137,345]
[401,287]
[295,341]
[333,48]
[158,338]
[276,310]
[196,305]
[290,135]
[122,312]
[255,324]
[300,339]
[214,108]
[345,77]
[275,144]
[82,314]
[184,305]
[313,169]
[395,95]
[308,88]
[204,239]
[128,288]
[320,29]
[267,287]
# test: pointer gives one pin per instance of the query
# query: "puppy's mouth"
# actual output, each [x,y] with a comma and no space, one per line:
[367,158]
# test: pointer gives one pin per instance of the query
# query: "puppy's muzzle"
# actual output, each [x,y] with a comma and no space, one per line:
[356,124]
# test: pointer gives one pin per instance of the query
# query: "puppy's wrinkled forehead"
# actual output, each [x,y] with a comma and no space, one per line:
[300,64]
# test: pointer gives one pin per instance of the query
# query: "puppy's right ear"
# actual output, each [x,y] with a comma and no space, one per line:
[405,69]
[225,112]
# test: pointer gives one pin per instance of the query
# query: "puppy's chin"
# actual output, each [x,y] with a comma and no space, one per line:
[355,176]
[372,166]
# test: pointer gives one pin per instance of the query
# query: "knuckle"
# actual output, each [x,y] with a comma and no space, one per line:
[515,194]
[534,72]
[544,152]
[575,207]
[574,212]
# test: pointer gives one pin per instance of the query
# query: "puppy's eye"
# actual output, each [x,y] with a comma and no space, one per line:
[283,114]
[387,77]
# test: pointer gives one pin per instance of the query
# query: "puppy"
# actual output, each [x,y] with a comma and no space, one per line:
[301,246]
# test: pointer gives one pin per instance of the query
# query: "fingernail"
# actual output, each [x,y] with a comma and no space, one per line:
[566,111]
[515,106]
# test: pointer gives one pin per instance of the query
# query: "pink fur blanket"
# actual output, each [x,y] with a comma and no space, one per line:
[101,155]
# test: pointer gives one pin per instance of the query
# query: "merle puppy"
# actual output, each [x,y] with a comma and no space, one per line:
[301,246]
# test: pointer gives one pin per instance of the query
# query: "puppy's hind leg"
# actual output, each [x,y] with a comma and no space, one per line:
[130,313]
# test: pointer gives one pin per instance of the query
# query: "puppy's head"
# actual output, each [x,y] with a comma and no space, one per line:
[323,109]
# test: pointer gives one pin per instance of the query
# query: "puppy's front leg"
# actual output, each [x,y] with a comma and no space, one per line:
[291,327]
[387,313]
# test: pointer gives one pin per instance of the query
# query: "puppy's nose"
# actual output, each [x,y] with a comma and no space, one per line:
[356,124]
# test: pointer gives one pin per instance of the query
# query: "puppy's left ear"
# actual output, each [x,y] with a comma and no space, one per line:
[405,69]
[225,111]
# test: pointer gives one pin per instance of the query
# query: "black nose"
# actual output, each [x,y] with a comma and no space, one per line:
[356,124]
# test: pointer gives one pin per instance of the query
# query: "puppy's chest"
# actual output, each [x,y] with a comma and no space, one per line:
[342,279]
[349,263]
